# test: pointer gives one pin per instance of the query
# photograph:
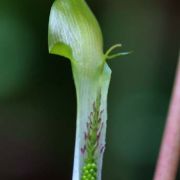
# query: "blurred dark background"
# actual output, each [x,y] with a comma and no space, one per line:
[37,94]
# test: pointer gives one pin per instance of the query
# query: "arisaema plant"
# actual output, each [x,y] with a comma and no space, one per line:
[75,34]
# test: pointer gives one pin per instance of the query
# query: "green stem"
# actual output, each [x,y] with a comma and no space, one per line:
[91,120]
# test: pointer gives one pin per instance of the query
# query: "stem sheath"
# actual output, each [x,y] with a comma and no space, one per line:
[91,124]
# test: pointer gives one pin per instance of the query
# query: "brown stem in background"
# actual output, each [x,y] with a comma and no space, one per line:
[169,156]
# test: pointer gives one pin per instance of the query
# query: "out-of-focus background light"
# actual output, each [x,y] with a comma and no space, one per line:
[37,94]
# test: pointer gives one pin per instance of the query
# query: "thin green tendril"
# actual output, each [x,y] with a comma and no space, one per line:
[108,56]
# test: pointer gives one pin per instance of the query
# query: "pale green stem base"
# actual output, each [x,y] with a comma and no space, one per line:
[88,87]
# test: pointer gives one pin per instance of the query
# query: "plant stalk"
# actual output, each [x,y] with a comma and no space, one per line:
[169,155]
[90,135]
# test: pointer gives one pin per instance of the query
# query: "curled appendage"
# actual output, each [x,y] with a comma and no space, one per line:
[108,56]
[89,172]
[92,146]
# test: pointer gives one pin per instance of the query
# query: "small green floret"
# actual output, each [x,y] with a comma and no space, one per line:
[89,172]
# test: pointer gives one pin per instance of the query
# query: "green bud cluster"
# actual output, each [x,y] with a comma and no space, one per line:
[89,172]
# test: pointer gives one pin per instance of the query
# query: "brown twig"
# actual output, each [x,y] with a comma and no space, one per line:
[169,156]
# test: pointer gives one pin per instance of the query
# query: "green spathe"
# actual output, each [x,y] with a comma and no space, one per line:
[75,34]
